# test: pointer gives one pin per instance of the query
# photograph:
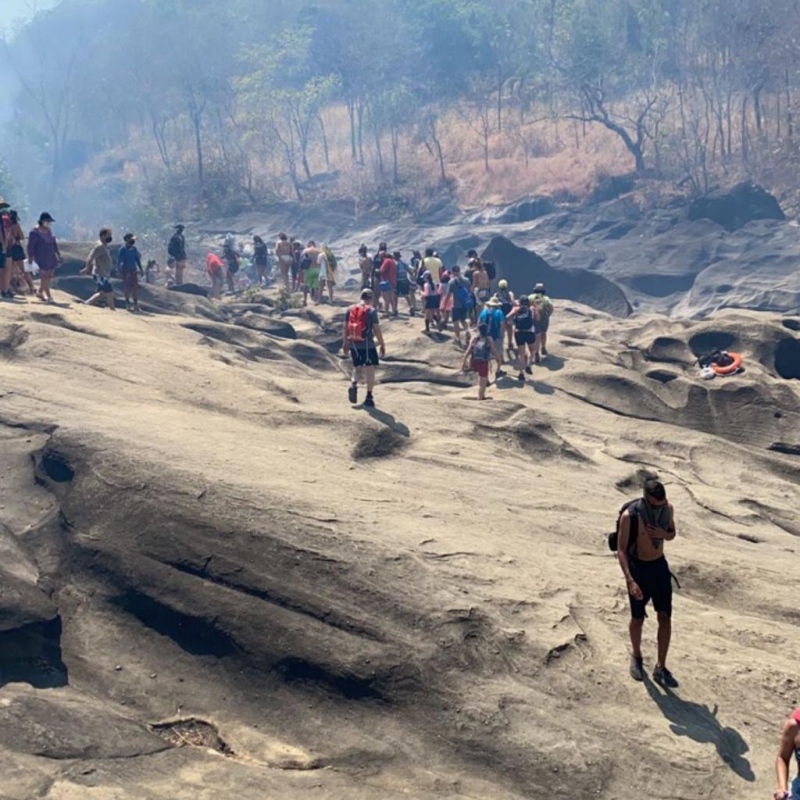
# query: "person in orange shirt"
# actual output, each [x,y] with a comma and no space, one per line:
[216,271]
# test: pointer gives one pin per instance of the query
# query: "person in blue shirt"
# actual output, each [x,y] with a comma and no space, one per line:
[129,264]
[492,316]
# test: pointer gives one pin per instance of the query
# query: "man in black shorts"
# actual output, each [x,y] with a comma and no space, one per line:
[459,287]
[643,529]
[361,328]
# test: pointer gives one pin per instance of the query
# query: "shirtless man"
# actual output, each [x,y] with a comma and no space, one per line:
[790,745]
[481,285]
[285,254]
[644,528]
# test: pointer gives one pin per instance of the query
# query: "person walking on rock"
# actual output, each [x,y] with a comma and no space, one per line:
[433,264]
[232,261]
[492,316]
[388,284]
[508,300]
[43,250]
[177,249]
[261,260]
[481,285]
[99,265]
[544,310]
[365,265]
[790,746]
[522,320]
[285,255]
[405,284]
[643,528]
[459,289]
[16,274]
[310,268]
[430,295]
[361,329]
[216,273]
[129,264]
[478,357]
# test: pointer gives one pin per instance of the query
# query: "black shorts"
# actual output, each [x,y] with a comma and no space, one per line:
[233,269]
[655,581]
[524,337]
[103,284]
[17,252]
[403,288]
[2,260]
[432,303]
[364,356]
[459,314]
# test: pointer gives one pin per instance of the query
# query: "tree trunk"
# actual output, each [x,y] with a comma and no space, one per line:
[789,115]
[325,149]
[197,118]
[351,114]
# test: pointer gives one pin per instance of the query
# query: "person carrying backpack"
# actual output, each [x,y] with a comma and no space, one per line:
[642,528]
[177,249]
[508,300]
[480,352]
[523,321]
[463,301]
[492,316]
[544,310]
[361,329]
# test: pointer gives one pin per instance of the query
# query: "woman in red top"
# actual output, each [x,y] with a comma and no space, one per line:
[216,271]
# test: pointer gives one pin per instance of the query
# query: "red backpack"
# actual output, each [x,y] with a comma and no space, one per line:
[357,321]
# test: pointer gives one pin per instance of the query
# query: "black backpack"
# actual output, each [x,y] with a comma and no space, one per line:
[491,269]
[613,538]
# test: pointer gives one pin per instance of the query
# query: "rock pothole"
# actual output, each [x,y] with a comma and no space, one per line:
[787,359]
[192,732]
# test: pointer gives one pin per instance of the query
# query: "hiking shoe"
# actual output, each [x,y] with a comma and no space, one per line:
[528,371]
[501,373]
[544,351]
[368,401]
[637,668]
[412,313]
[537,359]
[521,377]
[663,677]
[352,393]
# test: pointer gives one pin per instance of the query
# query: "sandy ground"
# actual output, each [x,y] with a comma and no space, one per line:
[492,511]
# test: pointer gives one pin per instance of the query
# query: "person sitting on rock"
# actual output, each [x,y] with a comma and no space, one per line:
[544,310]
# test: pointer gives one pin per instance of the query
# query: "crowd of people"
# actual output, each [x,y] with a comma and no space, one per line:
[490,326]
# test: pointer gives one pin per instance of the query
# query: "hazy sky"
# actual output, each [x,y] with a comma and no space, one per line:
[14,10]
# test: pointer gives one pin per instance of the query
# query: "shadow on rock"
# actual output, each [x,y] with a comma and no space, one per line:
[388,420]
[700,724]
[553,363]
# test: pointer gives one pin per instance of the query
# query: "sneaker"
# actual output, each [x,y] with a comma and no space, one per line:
[501,373]
[521,377]
[412,313]
[537,359]
[369,402]
[637,669]
[544,351]
[663,677]
[352,393]
[528,371]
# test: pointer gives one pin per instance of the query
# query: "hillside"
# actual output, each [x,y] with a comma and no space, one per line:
[225,581]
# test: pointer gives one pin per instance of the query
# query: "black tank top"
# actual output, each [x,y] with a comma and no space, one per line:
[524,320]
